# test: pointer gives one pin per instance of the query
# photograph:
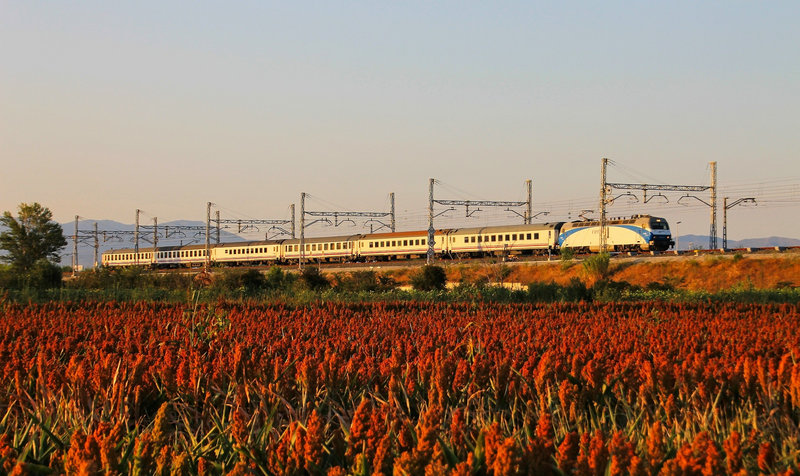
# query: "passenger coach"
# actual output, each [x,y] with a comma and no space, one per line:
[502,240]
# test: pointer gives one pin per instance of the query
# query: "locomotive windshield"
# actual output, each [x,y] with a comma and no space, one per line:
[658,224]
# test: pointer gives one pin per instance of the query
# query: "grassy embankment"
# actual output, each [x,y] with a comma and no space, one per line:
[687,279]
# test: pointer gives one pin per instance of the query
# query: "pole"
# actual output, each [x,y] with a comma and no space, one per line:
[217,212]
[302,230]
[391,198]
[431,230]
[155,241]
[677,236]
[725,223]
[529,210]
[96,245]
[208,236]
[292,208]
[603,205]
[136,239]
[712,240]
[75,247]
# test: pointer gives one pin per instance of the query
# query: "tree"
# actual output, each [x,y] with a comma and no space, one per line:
[30,237]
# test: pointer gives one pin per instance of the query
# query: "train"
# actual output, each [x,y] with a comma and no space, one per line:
[636,233]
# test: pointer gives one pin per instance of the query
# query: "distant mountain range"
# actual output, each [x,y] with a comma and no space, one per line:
[197,236]
[689,242]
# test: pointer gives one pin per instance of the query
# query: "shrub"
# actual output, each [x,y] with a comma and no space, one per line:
[44,275]
[429,278]
[252,281]
[612,291]
[360,281]
[566,258]
[277,279]
[574,291]
[245,283]
[312,278]
[597,266]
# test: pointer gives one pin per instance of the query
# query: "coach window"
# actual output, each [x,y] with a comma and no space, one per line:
[508,238]
[535,236]
[494,237]
[480,239]
[499,237]
[529,236]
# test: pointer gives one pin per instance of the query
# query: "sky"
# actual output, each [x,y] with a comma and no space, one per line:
[109,107]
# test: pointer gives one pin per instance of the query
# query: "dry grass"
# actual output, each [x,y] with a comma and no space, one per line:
[702,273]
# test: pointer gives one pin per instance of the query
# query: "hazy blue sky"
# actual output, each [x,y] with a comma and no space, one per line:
[108,107]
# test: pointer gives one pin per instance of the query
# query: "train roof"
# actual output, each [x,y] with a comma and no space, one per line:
[323,239]
[508,228]
[403,234]
[236,244]
[161,248]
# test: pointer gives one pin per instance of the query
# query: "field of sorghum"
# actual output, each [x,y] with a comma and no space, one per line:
[402,388]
